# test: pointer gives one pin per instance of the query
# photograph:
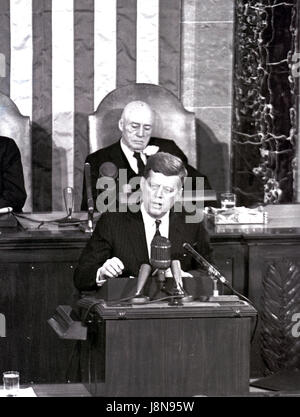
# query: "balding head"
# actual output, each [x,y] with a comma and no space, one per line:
[136,125]
[137,107]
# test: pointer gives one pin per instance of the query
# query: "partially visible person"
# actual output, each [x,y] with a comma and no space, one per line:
[12,189]
[132,150]
[121,241]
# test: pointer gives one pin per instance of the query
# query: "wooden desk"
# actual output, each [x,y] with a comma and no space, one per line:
[263,263]
[61,390]
[169,351]
[36,275]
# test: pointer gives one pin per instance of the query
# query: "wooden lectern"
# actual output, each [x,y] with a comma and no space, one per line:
[159,350]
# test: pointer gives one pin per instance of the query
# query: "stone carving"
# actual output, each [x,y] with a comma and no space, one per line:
[280,349]
[264,116]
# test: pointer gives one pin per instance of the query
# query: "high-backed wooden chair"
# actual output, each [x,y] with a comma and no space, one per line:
[16,126]
[172,120]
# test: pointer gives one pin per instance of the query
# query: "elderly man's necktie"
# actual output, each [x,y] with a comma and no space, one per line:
[140,163]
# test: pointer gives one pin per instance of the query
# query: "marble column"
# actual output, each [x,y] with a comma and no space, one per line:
[206,84]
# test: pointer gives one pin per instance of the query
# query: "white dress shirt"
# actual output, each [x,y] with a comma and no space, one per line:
[150,226]
[131,159]
[150,229]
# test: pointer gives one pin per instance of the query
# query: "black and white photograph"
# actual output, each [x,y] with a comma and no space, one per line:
[149,201]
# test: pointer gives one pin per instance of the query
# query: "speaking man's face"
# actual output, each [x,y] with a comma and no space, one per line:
[136,128]
[160,192]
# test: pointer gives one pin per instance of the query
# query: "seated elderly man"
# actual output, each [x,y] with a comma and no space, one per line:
[121,241]
[12,190]
[130,152]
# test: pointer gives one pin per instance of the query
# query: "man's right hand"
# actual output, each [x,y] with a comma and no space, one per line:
[111,268]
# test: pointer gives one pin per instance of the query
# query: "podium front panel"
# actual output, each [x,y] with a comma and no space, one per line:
[171,354]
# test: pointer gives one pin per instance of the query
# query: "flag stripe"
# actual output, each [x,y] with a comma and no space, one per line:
[21,55]
[84,86]
[126,42]
[4,46]
[21,76]
[63,99]
[105,51]
[63,57]
[42,105]
[147,49]
[169,45]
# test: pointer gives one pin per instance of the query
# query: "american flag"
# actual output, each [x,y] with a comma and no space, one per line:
[61,57]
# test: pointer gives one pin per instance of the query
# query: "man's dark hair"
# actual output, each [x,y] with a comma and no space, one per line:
[166,164]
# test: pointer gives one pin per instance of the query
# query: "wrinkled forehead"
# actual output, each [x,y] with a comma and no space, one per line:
[139,114]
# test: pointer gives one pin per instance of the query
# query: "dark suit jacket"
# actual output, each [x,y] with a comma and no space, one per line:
[114,153]
[12,190]
[123,235]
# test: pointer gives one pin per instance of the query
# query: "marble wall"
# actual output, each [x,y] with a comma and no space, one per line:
[206,87]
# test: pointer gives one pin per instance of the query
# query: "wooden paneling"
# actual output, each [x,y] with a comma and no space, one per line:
[274,287]
[183,352]
[263,264]
[35,277]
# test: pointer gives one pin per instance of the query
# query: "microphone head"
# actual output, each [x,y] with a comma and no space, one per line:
[186,246]
[160,253]
[108,169]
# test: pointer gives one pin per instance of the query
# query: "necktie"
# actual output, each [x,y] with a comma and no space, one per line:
[157,224]
[140,163]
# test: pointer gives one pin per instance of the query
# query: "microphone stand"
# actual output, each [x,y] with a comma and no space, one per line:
[213,274]
[90,226]
[139,297]
[177,292]
[177,297]
[216,296]
[68,193]
[90,202]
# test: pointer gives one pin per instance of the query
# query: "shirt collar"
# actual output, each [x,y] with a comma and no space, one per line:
[129,155]
[125,149]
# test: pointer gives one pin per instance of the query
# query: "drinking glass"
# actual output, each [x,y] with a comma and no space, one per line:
[11,383]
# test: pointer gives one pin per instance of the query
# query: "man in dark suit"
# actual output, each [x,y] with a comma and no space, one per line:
[121,241]
[12,190]
[131,151]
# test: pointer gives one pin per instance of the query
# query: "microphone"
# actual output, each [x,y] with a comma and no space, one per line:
[179,291]
[202,261]
[176,272]
[215,275]
[144,273]
[88,182]
[90,201]
[160,258]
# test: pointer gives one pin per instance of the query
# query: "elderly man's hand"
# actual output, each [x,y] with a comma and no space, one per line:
[110,269]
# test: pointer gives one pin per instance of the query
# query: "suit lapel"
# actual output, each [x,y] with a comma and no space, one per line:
[137,237]
[176,231]
[118,157]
